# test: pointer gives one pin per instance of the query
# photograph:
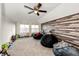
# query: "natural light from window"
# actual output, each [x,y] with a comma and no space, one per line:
[24,28]
[34,28]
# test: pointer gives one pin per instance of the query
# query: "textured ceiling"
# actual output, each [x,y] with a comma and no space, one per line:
[17,12]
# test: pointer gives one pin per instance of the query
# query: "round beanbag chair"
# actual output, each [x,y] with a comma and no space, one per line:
[37,36]
[66,51]
[48,40]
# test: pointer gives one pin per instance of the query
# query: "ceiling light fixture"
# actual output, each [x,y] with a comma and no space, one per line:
[35,12]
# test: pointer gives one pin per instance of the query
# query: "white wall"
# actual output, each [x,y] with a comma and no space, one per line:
[8,29]
[17,28]
[0,22]
[62,10]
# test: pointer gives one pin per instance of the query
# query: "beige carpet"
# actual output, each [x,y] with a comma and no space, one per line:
[29,47]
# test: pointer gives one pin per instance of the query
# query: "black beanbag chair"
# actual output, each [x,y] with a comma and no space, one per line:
[48,40]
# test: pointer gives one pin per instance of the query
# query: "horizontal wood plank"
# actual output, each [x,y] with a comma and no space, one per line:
[65,28]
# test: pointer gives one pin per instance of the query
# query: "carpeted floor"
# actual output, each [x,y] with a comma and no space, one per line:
[29,47]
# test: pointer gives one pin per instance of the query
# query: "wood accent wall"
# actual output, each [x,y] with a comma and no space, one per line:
[65,28]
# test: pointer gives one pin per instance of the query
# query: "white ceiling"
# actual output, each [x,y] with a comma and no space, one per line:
[17,11]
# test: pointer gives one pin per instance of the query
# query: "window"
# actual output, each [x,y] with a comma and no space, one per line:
[34,28]
[24,28]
